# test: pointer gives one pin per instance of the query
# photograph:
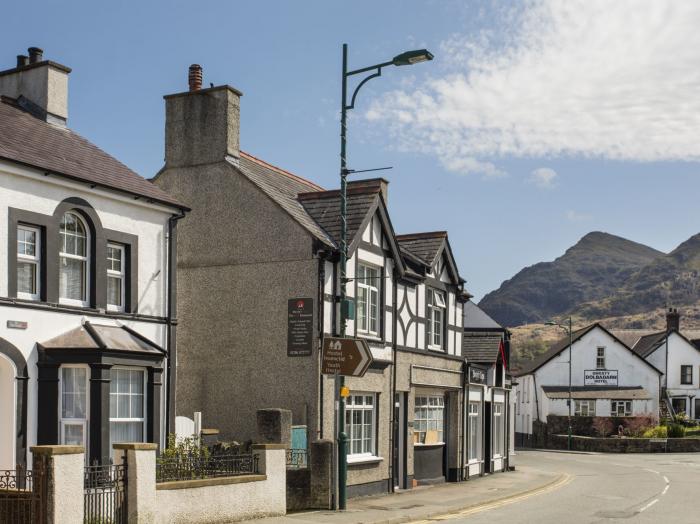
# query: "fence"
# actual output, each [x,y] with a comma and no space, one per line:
[179,467]
[23,494]
[104,494]
[297,458]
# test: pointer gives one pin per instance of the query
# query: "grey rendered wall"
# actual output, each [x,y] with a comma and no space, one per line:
[240,258]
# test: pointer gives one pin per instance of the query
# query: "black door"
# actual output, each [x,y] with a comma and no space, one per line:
[487,437]
[399,441]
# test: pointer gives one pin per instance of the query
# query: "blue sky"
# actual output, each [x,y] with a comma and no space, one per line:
[535,124]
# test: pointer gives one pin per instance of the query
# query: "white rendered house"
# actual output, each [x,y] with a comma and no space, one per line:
[85,301]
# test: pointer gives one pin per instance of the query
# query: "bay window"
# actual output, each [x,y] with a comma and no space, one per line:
[429,417]
[28,262]
[74,260]
[360,420]
[115,277]
[436,318]
[74,405]
[126,405]
[368,282]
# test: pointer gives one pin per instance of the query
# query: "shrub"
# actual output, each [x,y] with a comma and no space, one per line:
[676,430]
[636,426]
[184,448]
[656,432]
[603,426]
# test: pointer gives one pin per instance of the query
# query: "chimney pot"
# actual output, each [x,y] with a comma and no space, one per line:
[195,77]
[22,60]
[35,55]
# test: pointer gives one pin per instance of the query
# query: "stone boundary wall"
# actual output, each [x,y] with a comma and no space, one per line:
[625,444]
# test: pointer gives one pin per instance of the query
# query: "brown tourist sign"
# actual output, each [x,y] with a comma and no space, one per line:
[349,357]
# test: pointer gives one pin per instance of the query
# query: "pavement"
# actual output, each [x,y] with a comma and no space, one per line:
[431,501]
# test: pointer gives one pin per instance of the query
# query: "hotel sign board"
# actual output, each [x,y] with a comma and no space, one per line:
[600,377]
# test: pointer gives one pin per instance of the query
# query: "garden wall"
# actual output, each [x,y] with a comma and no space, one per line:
[625,445]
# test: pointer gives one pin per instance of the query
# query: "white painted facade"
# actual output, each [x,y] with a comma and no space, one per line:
[532,403]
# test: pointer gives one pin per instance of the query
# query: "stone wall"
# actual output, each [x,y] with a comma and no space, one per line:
[625,445]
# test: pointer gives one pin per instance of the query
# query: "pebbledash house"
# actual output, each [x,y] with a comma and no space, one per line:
[85,289]
[259,242]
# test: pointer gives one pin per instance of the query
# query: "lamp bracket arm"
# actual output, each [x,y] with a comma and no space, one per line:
[364,81]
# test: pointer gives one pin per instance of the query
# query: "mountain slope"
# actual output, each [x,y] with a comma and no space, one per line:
[587,273]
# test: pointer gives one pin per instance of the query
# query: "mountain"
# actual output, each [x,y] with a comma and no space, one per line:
[587,275]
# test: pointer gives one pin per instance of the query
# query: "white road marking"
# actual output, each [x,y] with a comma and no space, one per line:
[649,505]
[666,479]
[652,471]
[665,489]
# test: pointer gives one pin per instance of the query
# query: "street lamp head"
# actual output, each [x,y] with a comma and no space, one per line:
[412,57]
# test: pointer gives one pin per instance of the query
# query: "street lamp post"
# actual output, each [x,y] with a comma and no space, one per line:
[407,58]
[568,329]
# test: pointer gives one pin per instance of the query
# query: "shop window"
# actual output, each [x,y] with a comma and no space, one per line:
[429,420]
[498,428]
[360,420]
[474,430]
[74,405]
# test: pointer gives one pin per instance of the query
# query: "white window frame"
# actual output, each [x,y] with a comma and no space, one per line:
[351,407]
[498,429]
[474,415]
[435,310]
[579,410]
[437,406]
[29,259]
[600,358]
[372,291]
[121,275]
[614,411]
[144,412]
[64,422]
[86,259]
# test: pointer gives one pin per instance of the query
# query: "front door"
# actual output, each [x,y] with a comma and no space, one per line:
[8,408]
[399,465]
[488,422]
[679,405]
[696,413]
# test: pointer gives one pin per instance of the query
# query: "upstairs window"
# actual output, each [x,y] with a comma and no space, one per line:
[368,282]
[686,375]
[115,277]
[73,255]
[600,358]
[28,262]
[436,318]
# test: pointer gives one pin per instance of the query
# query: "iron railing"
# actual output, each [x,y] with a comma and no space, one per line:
[23,494]
[297,458]
[199,467]
[105,499]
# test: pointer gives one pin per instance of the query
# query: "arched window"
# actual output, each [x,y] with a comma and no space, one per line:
[74,261]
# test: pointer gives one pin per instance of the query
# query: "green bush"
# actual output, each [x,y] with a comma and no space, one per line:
[656,432]
[676,431]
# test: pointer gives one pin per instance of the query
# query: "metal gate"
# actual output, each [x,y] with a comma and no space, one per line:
[23,494]
[105,494]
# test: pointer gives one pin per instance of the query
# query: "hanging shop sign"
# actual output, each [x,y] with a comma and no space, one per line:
[477,376]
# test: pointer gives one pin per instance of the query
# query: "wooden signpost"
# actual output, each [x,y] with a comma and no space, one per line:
[349,357]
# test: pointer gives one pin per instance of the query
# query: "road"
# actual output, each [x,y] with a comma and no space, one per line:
[639,488]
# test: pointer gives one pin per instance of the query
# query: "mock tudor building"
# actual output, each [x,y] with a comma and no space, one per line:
[608,380]
[260,248]
[85,292]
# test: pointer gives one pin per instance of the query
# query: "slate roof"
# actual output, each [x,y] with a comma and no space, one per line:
[648,343]
[101,337]
[596,392]
[477,318]
[283,188]
[481,349]
[30,141]
[426,246]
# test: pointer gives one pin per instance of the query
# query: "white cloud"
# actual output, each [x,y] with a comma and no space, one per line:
[575,216]
[591,78]
[543,177]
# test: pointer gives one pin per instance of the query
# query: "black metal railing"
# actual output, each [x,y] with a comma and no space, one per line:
[22,495]
[297,458]
[105,499]
[200,467]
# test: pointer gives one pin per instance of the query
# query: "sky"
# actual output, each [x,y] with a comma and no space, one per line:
[536,122]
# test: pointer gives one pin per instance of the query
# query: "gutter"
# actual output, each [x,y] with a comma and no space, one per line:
[171,322]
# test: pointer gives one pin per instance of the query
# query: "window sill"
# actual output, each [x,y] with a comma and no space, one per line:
[423,445]
[436,349]
[369,336]
[363,459]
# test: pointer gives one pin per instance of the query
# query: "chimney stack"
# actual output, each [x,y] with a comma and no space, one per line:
[202,126]
[195,77]
[39,86]
[673,320]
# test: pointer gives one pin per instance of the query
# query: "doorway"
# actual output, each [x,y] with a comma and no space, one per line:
[488,422]
[7,414]
[399,466]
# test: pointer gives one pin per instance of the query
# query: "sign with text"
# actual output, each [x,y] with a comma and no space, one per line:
[600,377]
[477,376]
[349,357]
[300,327]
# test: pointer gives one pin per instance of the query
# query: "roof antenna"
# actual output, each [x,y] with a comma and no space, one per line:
[353,171]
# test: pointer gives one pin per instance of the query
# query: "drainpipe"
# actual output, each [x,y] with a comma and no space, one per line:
[171,323]
[394,322]
[322,256]
[465,424]
[537,403]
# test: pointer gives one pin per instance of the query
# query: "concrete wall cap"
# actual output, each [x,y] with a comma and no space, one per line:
[57,450]
[269,446]
[210,431]
[204,91]
[201,483]
[140,446]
